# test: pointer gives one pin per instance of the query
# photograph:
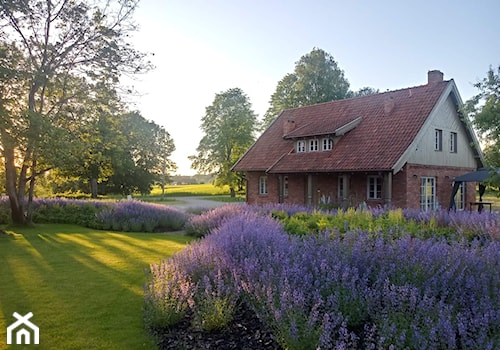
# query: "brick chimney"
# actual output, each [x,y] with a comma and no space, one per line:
[434,76]
[288,126]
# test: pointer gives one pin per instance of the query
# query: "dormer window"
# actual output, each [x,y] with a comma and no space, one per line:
[313,145]
[301,146]
[327,144]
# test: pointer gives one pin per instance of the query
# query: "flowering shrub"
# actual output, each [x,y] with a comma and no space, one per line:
[120,216]
[394,223]
[167,296]
[67,211]
[201,225]
[134,215]
[57,210]
[351,290]
[197,280]
[468,224]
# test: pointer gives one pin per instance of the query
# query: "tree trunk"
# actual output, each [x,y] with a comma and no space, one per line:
[232,191]
[31,193]
[16,203]
[93,188]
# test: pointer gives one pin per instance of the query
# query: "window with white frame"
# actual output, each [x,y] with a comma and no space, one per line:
[301,146]
[374,187]
[263,185]
[438,140]
[460,197]
[327,144]
[427,193]
[453,142]
[313,145]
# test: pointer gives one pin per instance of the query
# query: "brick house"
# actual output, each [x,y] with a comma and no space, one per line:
[399,148]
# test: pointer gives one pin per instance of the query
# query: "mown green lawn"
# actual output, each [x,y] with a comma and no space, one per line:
[208,191]
[84,287]
[192,190]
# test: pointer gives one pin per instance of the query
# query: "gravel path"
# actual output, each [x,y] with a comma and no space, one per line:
[185,203]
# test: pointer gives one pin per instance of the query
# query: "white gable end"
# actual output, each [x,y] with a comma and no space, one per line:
[444,140]
[457,147]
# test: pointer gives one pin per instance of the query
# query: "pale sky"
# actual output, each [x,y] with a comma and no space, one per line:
[205,47]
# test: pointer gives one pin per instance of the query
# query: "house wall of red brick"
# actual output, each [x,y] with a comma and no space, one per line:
[297,187]
[405,187]
[400,190]
[253,191]
[444,183]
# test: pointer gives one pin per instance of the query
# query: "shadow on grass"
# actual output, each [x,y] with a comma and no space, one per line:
[84,287]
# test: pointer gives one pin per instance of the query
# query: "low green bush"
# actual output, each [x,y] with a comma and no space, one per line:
[391,223]
[125,216]
[5,213]
[58,211]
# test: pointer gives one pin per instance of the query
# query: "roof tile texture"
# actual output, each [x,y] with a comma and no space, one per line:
[377,143]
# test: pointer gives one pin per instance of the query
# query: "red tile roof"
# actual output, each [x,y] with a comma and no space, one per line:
[377,143]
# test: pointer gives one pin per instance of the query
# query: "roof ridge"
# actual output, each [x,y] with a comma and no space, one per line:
[371,95]
[444,82]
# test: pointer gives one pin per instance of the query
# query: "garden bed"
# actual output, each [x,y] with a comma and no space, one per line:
[244,332]
[341,287]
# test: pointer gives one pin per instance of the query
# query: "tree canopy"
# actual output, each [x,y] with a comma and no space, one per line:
[58,55]
[229,124]
[317,78]
[484,111]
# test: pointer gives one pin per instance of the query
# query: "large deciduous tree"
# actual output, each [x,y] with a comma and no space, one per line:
[143,155]
[61,50]
[229,125]
[316,79]
[163,147]
[123,153]
[484,111]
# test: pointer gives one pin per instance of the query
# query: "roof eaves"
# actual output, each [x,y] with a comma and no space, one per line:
[325,171]
[468,128]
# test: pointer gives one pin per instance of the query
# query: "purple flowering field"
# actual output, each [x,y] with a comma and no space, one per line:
[136,216]
[125,216]
[355,290]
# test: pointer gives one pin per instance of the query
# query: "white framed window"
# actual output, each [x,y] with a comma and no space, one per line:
[428,193]
[438,140]
[301,146]
[313,145]
[263,185]
[453,142]
[374,187]
[327,144]
[460,197]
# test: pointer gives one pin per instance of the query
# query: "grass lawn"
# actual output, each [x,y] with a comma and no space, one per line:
[191,190]
[84,287]
[208,191]
[492,196]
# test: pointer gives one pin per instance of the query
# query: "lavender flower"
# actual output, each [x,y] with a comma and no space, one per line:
[356,290]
